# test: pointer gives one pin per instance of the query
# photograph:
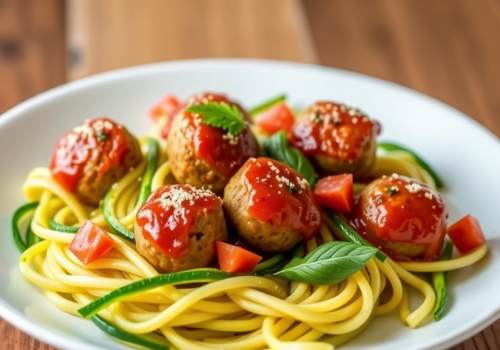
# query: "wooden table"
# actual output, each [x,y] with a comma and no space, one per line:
[448,49]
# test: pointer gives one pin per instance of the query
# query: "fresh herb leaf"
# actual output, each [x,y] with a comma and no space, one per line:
[329,263]
[390,146]
[277,147]
[261,107]
[220,115]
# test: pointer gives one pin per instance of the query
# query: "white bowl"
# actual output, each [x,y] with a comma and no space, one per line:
[464,153]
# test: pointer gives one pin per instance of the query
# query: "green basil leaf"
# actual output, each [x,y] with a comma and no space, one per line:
[220,115]
[329,263]
[277,147]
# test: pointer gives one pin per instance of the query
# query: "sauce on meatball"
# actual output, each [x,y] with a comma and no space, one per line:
[169,214]
[334,130]
[403,217]
[98,136]
[221,150]
[280,196]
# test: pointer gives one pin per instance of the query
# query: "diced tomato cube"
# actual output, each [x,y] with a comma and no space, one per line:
[236,259]
[166,107]
[335,192]
[276,118]
[165,111]
[466,234]
[90,243]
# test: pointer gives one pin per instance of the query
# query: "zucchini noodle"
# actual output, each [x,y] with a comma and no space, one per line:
[239,312]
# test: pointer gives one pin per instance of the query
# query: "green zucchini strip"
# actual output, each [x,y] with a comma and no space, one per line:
[271,265]
[140,340]
[151,166]
[145,190]
[31,238]
[54,225]
[345,232]
[278,261]
[19,214]
[175,278]
[261,107]
[390,146]
[111,219]
[440,284]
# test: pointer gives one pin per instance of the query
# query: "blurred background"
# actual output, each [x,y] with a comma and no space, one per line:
[449,49]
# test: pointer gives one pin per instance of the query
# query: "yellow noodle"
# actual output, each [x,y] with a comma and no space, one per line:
[160,175]
[396,288]
[424,310]
[241,312]
[447,265]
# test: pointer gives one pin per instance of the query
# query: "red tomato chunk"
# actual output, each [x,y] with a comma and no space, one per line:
[277,118]
[335,192]
[466,234]
[166,107]
[91,243]
[236,259]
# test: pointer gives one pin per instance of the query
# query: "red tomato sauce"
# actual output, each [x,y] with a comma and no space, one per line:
[394,210]
[333,130]
[170,213]
[281,197]
[223,151]
[98,137]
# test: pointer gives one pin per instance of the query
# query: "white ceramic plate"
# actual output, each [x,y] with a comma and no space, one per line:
[465,154]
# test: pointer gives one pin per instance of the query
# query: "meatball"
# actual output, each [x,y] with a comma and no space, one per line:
[176,229]
[205,156]
[339,139]
[271,205]
[403,217]
[89,159]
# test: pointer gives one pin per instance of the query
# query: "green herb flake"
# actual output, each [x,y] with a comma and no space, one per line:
[391,191]
[317,117]
[292,188]
[102,136]
[220,115]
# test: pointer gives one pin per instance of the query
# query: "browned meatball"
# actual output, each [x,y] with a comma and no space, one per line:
[403,217]
[89,159]
[178,226]
[339,139]
[271,205]
[203,155]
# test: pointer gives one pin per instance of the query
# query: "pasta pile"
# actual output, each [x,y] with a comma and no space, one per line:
[240,312]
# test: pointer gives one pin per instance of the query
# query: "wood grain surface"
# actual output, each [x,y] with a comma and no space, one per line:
[445,48]
[32,48]
[107,34]
[448,49]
